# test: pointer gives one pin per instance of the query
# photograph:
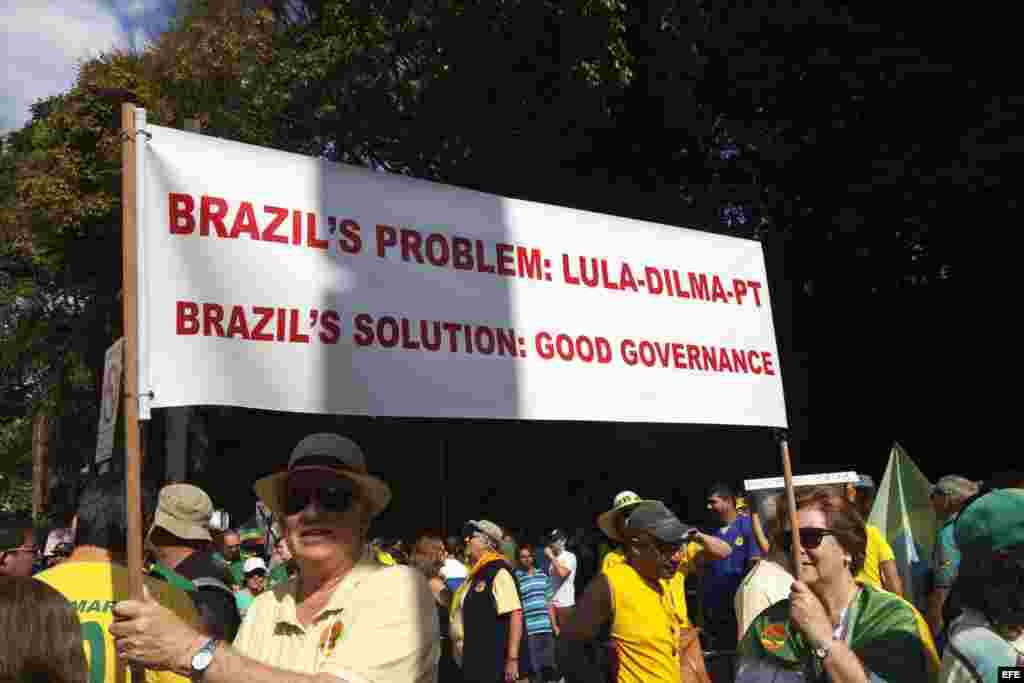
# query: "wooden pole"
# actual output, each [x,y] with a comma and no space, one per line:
[794,529]
[133,442]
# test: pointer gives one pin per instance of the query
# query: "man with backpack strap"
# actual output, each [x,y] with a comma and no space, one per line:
[180,540]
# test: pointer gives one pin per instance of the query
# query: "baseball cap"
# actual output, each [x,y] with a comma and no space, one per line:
[654,517]
[557,535]
[489,529]
[621,504]
[254,564]
[865,482]
[184,510]
[991,524]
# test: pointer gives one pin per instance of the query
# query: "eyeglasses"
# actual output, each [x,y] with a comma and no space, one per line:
[666,549]
[329,499]
[810,538]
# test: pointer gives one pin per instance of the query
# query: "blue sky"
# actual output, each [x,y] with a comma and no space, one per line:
[42,42]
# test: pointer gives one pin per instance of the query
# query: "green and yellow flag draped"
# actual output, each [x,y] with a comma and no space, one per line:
[885,631]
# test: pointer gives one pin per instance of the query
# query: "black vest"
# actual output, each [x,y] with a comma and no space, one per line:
[485,647]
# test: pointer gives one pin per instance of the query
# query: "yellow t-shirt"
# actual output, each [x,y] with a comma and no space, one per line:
[93,588]
[687,565]
[878,551]
[645,628]
[506,595]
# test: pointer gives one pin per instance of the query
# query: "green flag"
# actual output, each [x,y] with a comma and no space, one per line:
[903,511]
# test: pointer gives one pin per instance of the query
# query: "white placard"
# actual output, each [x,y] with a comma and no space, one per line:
[801,480]
[283,282]
[110,402]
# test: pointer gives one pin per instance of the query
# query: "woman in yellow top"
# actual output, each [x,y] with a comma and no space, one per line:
[637,599]
[879,568]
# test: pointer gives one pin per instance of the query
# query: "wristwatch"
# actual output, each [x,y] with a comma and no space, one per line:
[202,658]
[822,652]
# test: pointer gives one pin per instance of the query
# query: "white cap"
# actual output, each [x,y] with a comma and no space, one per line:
[254,563]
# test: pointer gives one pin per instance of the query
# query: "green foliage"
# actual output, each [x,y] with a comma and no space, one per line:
[15,464]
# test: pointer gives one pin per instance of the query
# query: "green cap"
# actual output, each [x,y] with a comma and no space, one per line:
[991,524]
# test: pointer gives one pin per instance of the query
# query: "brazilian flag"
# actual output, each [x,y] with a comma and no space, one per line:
[886,633]
[904,513]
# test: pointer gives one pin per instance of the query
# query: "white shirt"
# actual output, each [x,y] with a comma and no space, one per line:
[453,569]
[564,587]
[766,584]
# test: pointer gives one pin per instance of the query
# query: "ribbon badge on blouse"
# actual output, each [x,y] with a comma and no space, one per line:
[329,637]
[773,637]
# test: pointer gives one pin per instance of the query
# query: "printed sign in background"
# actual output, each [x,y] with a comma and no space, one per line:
[283,282]
[110,401]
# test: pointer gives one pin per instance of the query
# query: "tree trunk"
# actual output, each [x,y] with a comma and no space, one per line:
[40,458]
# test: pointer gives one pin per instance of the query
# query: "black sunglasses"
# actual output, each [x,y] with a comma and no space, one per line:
[665,549]
[329,499]
[810,538]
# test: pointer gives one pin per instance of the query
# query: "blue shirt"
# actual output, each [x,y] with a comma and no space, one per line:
[723,577]
[535,593]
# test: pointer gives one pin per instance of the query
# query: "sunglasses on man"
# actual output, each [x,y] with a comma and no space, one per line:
[328,499]
[810,538]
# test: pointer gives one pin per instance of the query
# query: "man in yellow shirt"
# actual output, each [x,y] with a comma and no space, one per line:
[95,577]
[636,598]
[879,560]
[688,559]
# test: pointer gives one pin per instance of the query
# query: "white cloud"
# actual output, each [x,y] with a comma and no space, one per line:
[41,44]
[137,8]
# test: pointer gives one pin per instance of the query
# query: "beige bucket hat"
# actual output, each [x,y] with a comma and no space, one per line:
[184,510]
[331,453]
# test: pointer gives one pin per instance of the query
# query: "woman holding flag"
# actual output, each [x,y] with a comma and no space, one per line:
[833,628]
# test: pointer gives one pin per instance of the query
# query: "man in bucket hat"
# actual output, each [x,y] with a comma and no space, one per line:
[180,540]
[345,617]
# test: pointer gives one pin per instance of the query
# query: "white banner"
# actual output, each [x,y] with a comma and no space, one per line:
[771,483]
[288,283]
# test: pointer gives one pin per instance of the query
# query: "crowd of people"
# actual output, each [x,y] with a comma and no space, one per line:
[650,598]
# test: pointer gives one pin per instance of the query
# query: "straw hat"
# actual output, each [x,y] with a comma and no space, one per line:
[332,454]
[624,501]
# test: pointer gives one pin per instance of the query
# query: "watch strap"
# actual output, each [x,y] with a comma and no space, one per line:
[208,648]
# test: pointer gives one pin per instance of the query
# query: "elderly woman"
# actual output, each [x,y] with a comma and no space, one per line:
[833,628]
[486,614]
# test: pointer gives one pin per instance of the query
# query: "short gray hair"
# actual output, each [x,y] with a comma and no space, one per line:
[956,487]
